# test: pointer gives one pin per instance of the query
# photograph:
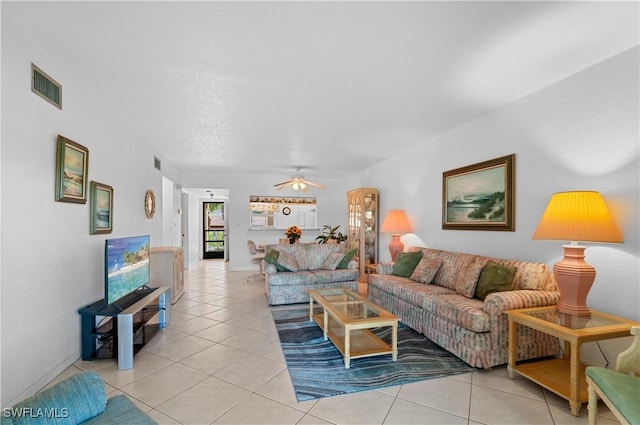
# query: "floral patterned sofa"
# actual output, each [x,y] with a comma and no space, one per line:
[446,309]
[298,268]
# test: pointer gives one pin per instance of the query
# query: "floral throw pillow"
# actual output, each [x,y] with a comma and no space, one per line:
[426,270]
[288,261]
[466,284]
[332,261]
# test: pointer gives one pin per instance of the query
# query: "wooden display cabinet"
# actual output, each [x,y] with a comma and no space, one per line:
[167,268]
[362,226]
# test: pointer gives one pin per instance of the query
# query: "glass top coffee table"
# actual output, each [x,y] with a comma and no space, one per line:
[347,320]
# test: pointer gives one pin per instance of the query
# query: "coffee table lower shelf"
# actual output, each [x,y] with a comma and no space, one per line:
[361,342]
[554,375]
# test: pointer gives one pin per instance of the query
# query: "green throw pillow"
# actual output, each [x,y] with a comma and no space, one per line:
[495,277]
[348,256]
[271,256]
[406,263]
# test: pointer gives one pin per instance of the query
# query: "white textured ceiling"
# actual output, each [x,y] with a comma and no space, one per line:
[333,86]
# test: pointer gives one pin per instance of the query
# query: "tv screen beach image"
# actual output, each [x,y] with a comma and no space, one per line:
[127,266]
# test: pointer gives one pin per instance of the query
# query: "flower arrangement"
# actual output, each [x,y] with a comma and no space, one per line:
[293,233]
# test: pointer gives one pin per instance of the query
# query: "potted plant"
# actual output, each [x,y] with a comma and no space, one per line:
[331,235]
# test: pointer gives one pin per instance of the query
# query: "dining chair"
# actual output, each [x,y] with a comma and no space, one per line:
[257,256]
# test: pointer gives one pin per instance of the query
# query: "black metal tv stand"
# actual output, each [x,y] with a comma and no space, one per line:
[122,329]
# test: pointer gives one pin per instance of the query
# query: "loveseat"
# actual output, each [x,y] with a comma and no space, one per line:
[440,300]
[79,399]
[291,270]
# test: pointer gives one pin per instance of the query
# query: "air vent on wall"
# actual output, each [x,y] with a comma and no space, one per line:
[157,163]
[46,87]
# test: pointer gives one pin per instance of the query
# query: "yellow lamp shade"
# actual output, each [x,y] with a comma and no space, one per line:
[577,216]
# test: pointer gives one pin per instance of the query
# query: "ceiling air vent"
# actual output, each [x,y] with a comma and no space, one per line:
[46,87]
[156,163]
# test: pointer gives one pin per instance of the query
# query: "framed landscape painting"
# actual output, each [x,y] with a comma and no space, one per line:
[101,208]
[72,166]
[480,196]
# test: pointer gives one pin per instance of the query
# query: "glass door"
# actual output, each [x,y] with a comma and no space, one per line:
[214,230]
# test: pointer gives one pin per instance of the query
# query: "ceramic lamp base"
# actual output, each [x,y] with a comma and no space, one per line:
[395,246]
[575,278]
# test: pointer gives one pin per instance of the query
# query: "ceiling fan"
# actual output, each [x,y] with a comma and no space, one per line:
[298,182]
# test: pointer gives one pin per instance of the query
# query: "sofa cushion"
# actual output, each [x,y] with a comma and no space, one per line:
[416,293]
[288,261]
[332,261]
[405,263]
[73,400]
[338,275]
[304,277]
[464,312]
[466,284]
[495,278]
[620,388]
[348,256]
[426,270]
[405,289]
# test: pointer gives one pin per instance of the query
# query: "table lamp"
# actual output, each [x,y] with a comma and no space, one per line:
[576,216]
[396,222]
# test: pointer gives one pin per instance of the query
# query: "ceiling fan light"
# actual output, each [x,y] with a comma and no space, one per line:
[295,186]
[302,185]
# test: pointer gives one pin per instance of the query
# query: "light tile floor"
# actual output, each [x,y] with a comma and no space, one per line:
[220,363]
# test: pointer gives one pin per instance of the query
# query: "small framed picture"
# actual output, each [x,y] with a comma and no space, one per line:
[480,196]
[101,208]
[72,168]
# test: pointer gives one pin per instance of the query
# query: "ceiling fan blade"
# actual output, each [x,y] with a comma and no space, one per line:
[298,182]
[288,182]
[318,185]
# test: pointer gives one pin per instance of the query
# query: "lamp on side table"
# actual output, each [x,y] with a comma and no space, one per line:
[576,216]
[396,222]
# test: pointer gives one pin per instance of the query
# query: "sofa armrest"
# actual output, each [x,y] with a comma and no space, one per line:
[498,302]
[384,268]
[269,268]
[121,410]
[73,400]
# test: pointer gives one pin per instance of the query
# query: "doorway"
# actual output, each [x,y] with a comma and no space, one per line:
[214,230]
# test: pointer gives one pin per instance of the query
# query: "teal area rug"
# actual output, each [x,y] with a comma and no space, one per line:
[316,367]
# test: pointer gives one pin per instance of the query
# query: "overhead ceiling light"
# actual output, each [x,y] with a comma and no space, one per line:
[298,182]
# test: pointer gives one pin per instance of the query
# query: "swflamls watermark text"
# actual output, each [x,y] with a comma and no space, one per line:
[32,412]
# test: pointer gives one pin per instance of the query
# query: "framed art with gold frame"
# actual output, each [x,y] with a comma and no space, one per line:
[72,170]
[101,208]
[480,196]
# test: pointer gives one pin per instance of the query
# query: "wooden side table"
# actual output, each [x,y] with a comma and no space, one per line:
[564,376]
[370,268]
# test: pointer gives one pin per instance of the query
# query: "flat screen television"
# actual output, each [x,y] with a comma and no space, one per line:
[126,263]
